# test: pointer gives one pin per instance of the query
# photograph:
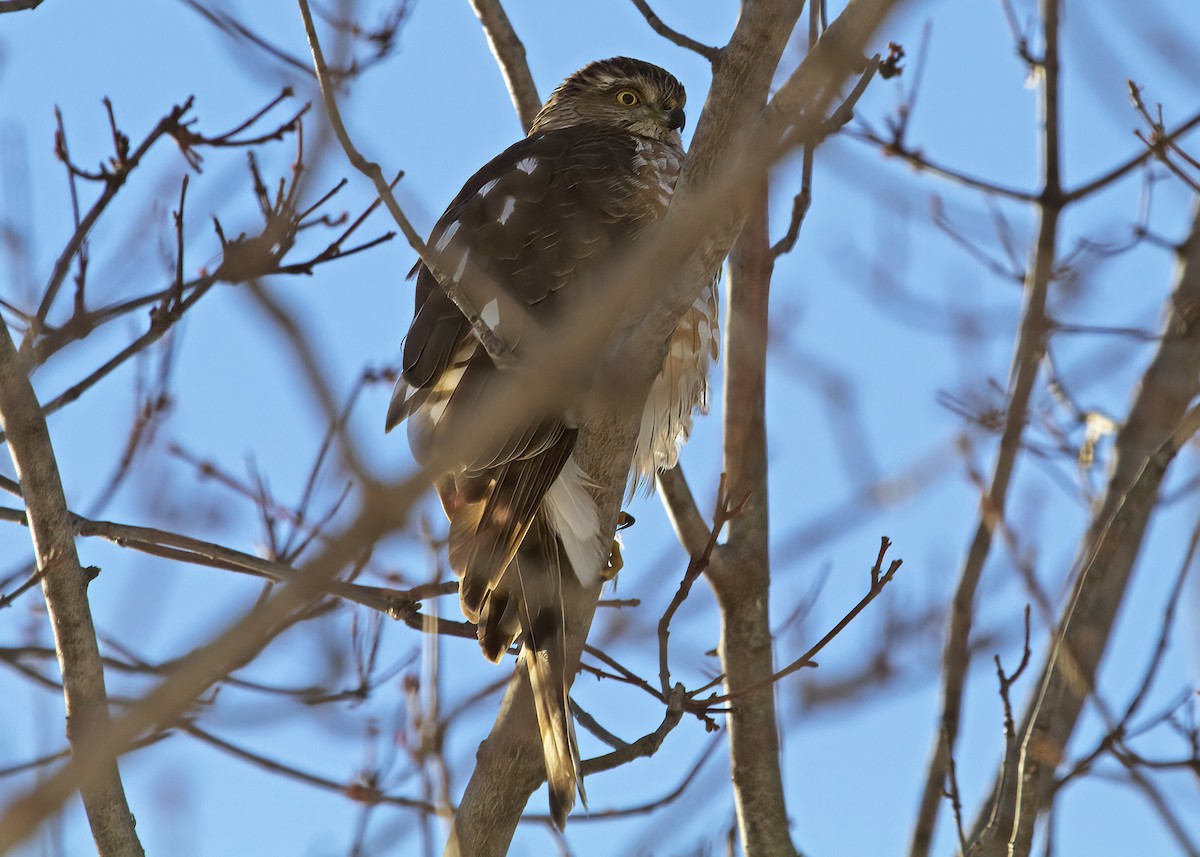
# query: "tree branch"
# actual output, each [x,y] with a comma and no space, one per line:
[682,510]
[510,56]
[1027,358]
[465,291]
[674,36]
[383,510]
[398,604]
[124,162]
[1121,170]
[741,575]
[64,585]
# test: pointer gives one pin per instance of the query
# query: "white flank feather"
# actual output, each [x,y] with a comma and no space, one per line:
[679,389]
[574,516]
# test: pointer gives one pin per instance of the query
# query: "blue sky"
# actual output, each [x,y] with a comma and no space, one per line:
[873,296]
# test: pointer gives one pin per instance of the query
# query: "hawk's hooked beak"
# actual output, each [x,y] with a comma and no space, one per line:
[676,119]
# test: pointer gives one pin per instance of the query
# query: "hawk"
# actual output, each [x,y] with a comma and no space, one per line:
[548,213]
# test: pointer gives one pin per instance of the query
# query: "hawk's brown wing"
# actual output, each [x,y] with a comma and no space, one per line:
[530,221]
[534,220]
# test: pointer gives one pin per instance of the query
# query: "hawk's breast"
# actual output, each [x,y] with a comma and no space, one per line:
[682,385]
[656,168]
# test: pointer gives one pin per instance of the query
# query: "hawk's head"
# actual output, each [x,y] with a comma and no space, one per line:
[621,93]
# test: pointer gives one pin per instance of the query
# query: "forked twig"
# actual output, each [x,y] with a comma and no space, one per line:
[879,580]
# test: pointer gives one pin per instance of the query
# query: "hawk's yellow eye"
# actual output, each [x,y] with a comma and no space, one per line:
[627,98]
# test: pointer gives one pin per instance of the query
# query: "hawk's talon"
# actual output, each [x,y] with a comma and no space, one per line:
[615,562]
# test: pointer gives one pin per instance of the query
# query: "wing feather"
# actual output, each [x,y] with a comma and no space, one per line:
[485,533]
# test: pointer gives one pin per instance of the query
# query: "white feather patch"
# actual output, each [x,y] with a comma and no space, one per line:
[574,516]
[491,315]
[510,204]
[446,236]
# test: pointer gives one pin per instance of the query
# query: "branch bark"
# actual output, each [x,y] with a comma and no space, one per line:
[64,586]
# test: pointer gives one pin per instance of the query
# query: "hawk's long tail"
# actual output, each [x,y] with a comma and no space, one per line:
[539,568]
[547,679]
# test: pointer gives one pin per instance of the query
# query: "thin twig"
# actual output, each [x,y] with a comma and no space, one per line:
[396,603]
[919,161]
[645,746]
[952,794]
[123,164]
[1121,170]
[674,36]
[649,806]
[501,352]
[725,511]
[357,790]
[879,580]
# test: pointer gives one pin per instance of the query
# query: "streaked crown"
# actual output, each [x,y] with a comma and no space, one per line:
[621,92]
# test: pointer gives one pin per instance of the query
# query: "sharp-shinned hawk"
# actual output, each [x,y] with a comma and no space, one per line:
[599,165]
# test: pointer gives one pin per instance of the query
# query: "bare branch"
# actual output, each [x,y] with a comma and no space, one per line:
[1026,360]
[725,511]
[124,162]
[202,667]
[952,794]
[1002,805]
[1161,145]
[645,746]
[800,205]
[510,56]
[1159,423]
[235,29]
[879,580]
[64,585]
[360,790]
[501,352]
[919,161]
[674,36]
[682,510]
[649,806]
[395,603]
[1123,169]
